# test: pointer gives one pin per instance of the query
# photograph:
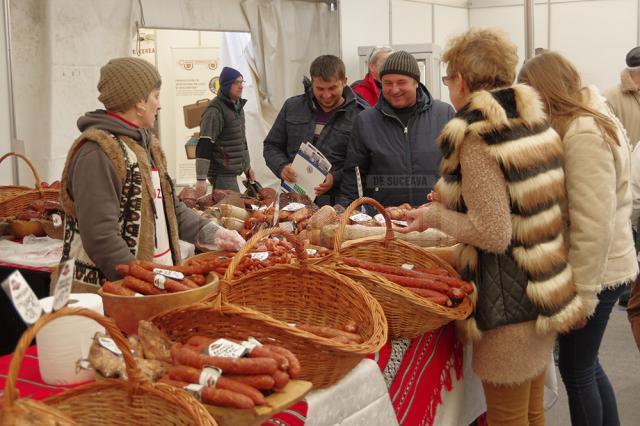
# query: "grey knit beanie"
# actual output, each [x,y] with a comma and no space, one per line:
[401,62]
[125,81]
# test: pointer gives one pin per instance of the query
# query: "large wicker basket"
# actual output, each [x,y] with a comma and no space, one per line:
[134,401]
[408,314]
[14,199]
[262,304]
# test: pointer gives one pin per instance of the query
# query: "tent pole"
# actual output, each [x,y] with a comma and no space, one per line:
[12,116]
[529,37]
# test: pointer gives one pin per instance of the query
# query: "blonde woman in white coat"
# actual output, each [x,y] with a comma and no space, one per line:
[598,210]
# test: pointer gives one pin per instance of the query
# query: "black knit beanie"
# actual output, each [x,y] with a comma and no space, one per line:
[401,62]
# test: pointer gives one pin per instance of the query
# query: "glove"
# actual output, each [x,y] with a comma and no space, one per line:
[213,237]
[201,188]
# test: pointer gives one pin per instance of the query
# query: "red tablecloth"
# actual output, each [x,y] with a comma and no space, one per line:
[417,375]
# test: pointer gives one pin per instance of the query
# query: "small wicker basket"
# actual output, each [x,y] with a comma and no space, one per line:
[263,303]
[15,199]
[134,401]
[408,314]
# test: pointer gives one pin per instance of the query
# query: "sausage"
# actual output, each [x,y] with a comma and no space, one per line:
[122,269]
[258,381]
[262,352]
[281,380]
[140,286]
[186,355]
[118,289]
[199,341]
[198,279]
[426,283]
[192,375]
[170,285]
[220,397]
[433,296]
[294,363]
[330,332]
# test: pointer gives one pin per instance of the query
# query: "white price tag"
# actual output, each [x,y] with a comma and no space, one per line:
[63,286]
[209,376]
[138,295]
[83,364]
[110,345]
[226,349]
[169,274]
[408,266]
[159,281]
[260,255]
[293,207]
[402,223]
[57,220]
[287,226]
[195,390]
[251,344]
[379,218]
[254,207]
[360,217]
[23,298]
[312,251]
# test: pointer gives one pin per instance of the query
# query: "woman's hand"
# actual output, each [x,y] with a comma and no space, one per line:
[419,219]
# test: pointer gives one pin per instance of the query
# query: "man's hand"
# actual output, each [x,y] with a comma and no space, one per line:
[324,186]
[201,188]
[250,174]
[288,174]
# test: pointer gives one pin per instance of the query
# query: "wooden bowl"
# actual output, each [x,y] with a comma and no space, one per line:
[22,228]
[127,311]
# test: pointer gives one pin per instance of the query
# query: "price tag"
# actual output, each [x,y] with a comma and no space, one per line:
[63,286]
[195,390]
[209,376]
[159,281]
[402,223]
[287,226]
[293,207]
[254,207]
[226,349]
[169,274]
[83,364]
[251,344]
[360,217]
[138,295]
[311,251]
[23,298]
[408,266]
[110,345]
[260,255]
[57,220]
[379,218]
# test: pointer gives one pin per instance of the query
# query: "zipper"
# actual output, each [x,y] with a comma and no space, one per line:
[405,131]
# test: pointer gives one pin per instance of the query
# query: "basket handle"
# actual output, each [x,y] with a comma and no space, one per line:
[36,176]
[10,391]
[337,241]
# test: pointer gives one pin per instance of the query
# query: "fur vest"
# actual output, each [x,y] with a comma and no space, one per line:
[531,280]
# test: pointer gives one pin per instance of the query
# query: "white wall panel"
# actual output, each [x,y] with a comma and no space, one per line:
[362,23]
[411,22]
[6,176]
[595,36]
[448,22]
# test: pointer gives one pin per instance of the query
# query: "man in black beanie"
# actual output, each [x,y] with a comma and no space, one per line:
[222,152]
[625,97]
[394,144]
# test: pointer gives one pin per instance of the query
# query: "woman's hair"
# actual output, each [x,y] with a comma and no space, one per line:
[485,57]
[560,85]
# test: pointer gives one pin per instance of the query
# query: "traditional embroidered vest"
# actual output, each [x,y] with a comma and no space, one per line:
[136,219]
[532,280]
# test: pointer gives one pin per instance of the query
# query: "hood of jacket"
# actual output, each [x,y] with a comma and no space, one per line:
[99,119]
[424,101]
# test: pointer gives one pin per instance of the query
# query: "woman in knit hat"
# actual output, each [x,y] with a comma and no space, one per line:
[119,200]
[499,195]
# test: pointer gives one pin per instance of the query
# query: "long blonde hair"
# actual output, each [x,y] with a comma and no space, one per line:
[560,85]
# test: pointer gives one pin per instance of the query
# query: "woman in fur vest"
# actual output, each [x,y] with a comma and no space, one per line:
[118,197]
[598,207]
[499,195]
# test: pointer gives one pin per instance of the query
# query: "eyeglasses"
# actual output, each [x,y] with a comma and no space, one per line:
[446,78]
[239,82]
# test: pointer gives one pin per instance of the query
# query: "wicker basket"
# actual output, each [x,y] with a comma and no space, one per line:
[55,232]
[111,401]
[15,199]
[262,304]
[408,314]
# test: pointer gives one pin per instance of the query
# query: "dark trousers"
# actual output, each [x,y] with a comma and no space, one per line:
[224,182]
[591,397]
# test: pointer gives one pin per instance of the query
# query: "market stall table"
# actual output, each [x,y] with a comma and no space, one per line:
[410,381]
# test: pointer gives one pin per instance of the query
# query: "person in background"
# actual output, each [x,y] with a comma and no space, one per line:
[118,197]
[394,143]
[222,152]
[323,115]
[499,195]
[633,305]
[369,87]
[598,208]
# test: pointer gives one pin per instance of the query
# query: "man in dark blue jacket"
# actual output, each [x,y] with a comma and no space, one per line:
[323,115]
[394,143]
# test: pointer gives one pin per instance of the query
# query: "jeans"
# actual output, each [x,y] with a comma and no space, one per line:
[591,397]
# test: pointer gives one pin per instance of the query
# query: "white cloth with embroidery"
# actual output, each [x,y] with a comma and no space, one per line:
[162,252]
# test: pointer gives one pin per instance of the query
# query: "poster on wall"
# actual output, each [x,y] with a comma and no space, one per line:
[196,73]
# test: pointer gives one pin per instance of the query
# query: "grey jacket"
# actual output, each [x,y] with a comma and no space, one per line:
[96,191]
[296,124]
[397,164]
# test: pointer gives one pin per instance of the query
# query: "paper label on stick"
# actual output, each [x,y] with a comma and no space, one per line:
[209,376]
[109,345]
[159,281]
[293,207]
[23,298]
[260,255]
[226,349]
[169,274]
[56,220]
[63,286]
[379,218]
[311,252]
[195,390]
[360,217]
